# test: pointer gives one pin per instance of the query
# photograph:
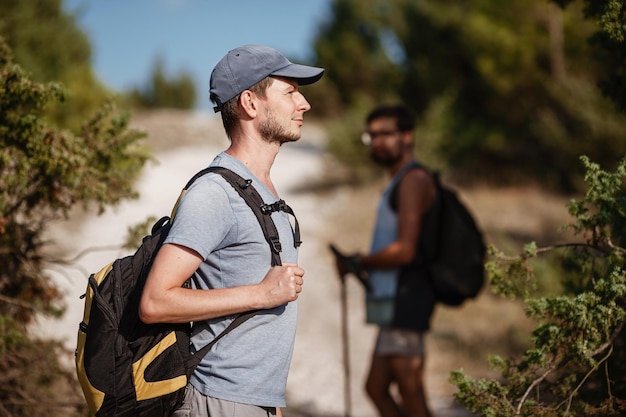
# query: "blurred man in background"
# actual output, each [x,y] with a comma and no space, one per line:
[398,299]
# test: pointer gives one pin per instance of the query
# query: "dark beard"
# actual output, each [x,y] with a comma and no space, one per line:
[385,160]
[272,132]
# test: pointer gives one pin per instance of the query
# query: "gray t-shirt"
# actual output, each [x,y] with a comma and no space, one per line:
[250,364]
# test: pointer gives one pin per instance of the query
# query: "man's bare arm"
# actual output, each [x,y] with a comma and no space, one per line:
[164,300]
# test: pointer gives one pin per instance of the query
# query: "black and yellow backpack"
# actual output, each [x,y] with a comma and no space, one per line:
[129,368]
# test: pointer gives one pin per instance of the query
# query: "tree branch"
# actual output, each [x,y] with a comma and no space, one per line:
[85,252]
[535,383]
[20,303]
[32,187]
[544,249]
[587,375]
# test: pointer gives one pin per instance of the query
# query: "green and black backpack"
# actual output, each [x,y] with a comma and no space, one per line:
[129,368]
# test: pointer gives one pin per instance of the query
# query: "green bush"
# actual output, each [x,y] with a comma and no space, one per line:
[44,172]
[576,365]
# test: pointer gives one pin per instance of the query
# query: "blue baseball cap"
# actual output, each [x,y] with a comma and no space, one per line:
[245,66]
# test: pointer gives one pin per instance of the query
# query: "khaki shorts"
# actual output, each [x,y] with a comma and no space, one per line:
[399,342]
[198,405]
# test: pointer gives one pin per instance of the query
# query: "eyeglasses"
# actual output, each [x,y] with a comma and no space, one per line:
[368,137]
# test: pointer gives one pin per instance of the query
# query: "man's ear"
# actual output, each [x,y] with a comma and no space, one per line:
[407,138]
[248,103]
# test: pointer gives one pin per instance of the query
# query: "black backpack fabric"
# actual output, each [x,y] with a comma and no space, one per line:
[129,368]
[456,256]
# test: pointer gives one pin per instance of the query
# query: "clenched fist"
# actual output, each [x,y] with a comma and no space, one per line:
[281,285]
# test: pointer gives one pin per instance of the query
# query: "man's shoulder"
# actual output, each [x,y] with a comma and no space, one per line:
[416,180]
[417,176]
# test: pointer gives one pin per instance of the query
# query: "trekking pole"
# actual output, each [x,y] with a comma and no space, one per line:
[346,348]
[344,328]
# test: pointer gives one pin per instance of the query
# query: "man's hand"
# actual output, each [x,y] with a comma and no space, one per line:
[281,285]
[350,264]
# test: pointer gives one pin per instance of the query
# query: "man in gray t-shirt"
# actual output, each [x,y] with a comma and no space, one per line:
[216,238]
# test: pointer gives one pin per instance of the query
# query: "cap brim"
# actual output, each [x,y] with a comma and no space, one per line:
[302,73]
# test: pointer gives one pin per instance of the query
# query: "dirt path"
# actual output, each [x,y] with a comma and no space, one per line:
[342,215]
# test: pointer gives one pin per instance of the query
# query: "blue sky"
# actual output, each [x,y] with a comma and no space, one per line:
[192,35]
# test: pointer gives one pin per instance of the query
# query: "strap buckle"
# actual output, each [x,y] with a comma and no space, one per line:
[279,205]
[275,244]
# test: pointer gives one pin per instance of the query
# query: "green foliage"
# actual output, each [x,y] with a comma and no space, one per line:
[609,13]
[137,232]
[44,172]
[608,44]
[520,83]
[177,93]
[344,142]
[350,46]
[49,46]
[32,381]
[576,364]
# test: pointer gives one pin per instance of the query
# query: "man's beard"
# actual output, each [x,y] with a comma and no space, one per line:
[385,159]
[271,131]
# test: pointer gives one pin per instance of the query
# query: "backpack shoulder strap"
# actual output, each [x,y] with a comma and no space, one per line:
[254,200]
[393,196]
[430,233]
[261,210]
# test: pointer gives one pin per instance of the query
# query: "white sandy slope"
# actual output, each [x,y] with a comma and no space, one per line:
[316,382]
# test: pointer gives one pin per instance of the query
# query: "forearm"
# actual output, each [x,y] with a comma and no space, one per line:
[393,255]
[181,305]
[165,300]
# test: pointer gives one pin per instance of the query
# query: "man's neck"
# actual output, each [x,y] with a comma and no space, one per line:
[257,155]
[393,169]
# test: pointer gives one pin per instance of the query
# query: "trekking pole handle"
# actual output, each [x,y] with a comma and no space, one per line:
[351,265]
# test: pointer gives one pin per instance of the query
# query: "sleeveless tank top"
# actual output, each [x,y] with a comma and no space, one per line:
[401,297]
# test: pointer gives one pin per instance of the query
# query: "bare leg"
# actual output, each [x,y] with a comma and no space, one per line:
[408,373]
[377,387]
